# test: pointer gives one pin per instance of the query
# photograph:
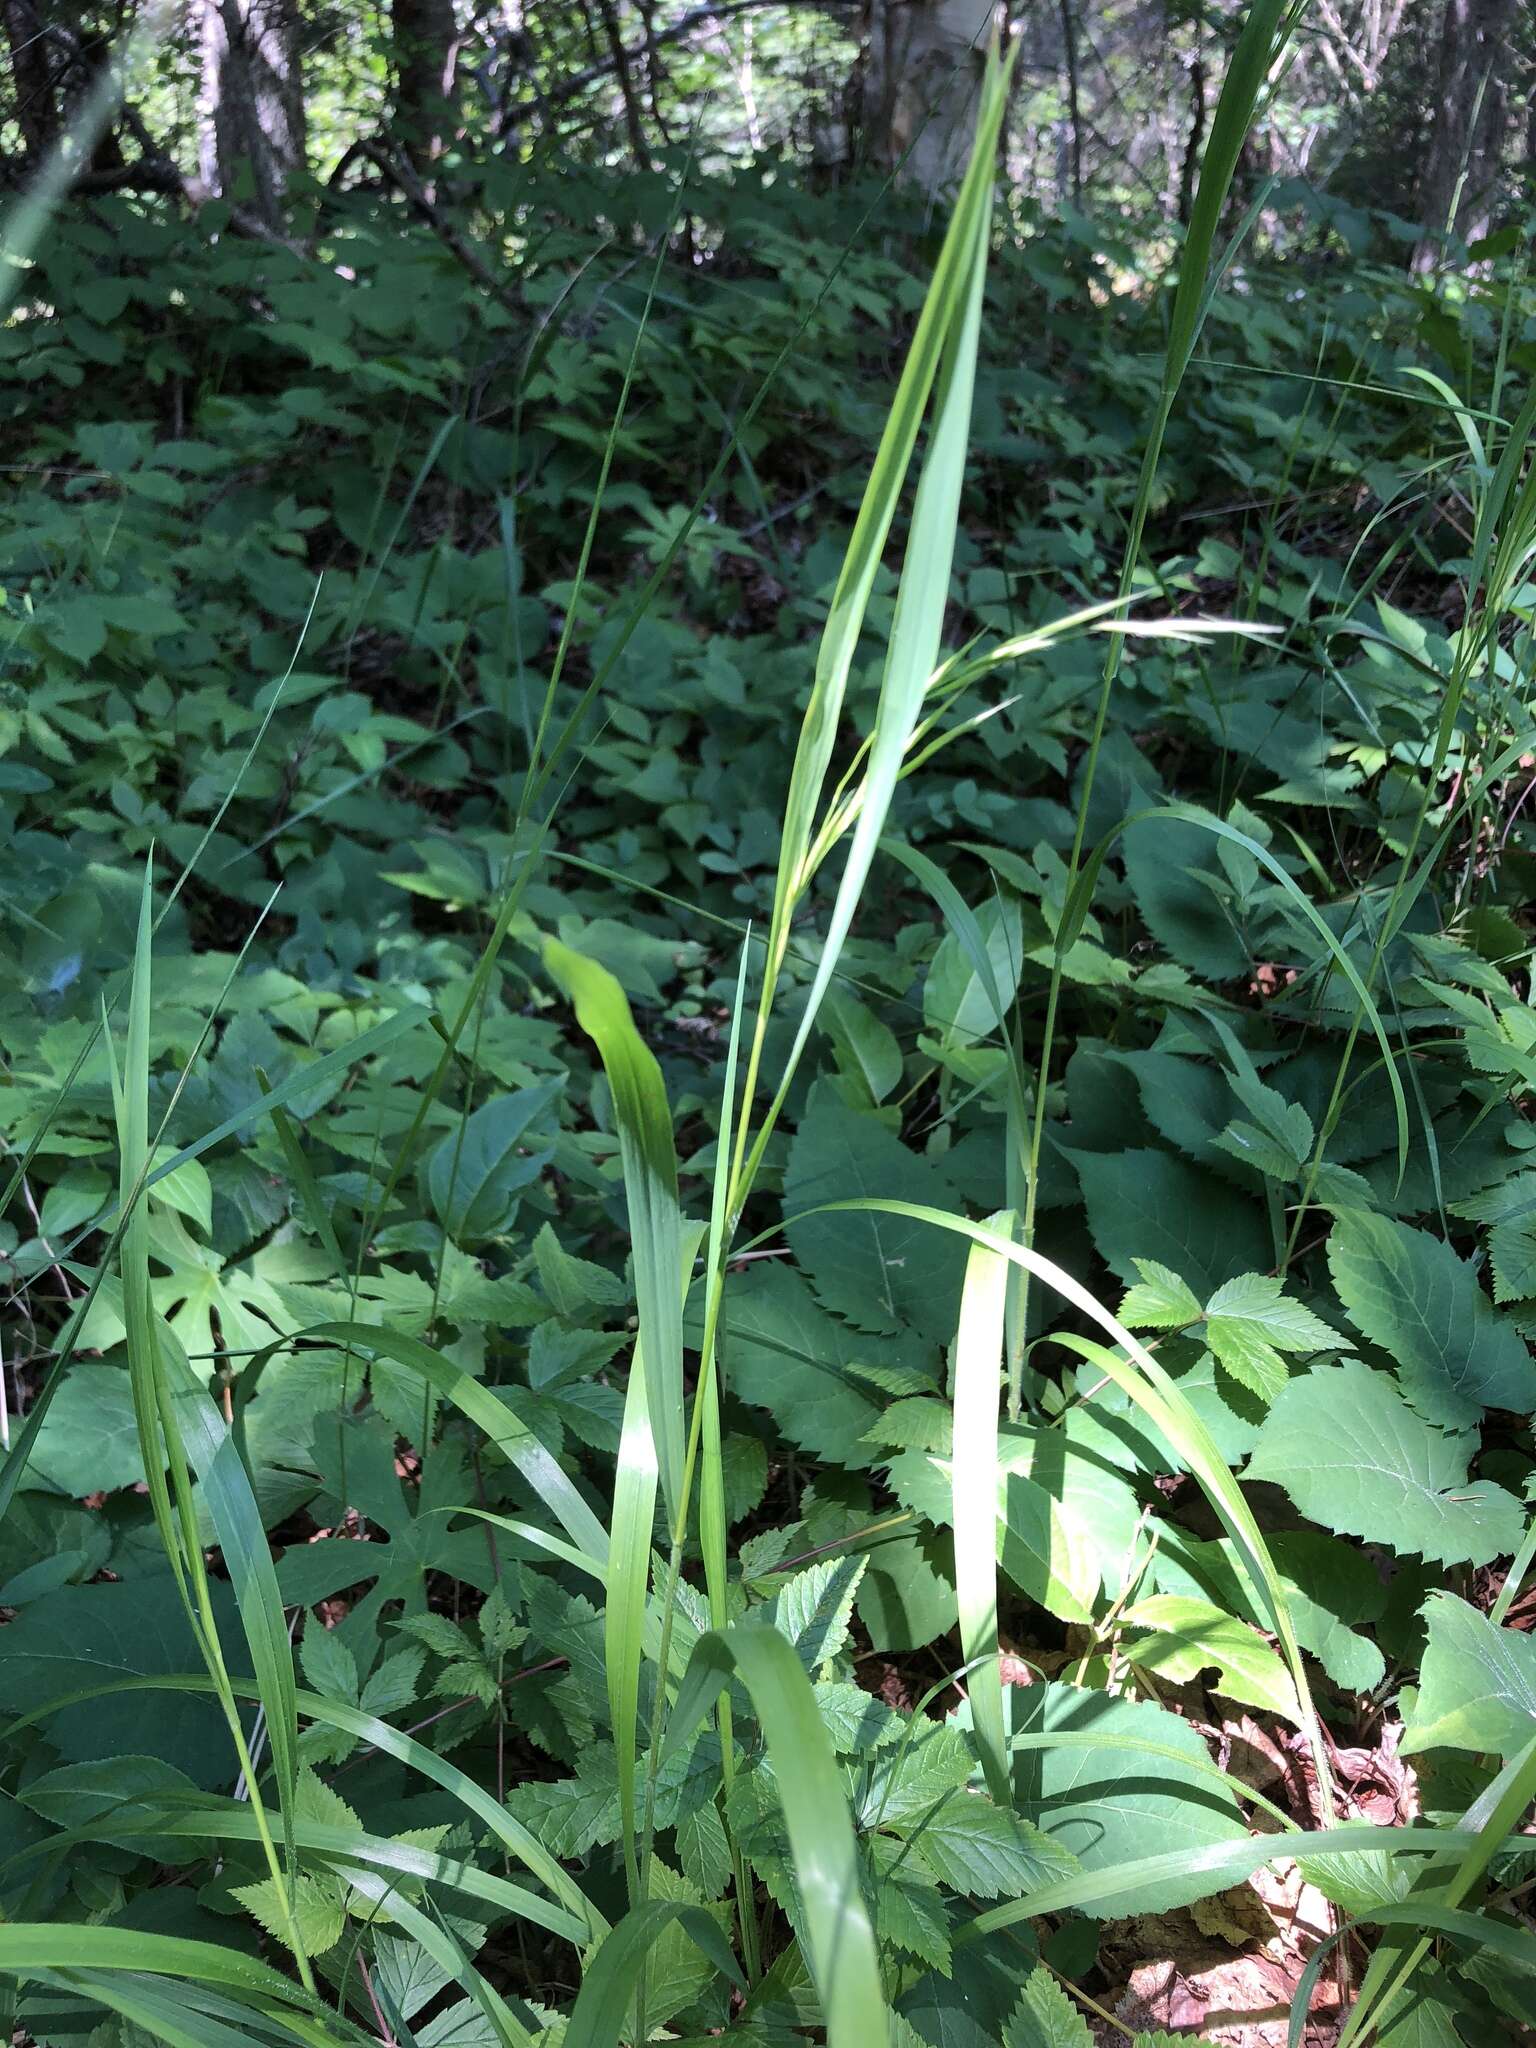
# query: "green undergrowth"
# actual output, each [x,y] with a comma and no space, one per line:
[766,1084]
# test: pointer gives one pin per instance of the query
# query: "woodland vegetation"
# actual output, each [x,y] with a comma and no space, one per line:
[767,1054]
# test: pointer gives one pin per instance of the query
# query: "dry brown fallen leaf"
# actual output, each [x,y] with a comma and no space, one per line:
[1225,1970]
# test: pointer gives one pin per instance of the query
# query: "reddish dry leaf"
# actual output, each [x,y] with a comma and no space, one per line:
[1013,1670]
[1230,2001]
[1250,1753]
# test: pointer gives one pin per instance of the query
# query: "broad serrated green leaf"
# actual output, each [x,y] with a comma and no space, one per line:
[1408,1292]
[1148,1205]
[813,1609]
[933,1762]
[620,1964]
[909,1907]
[1160,1300]
[1509,1211]
[923,1424]
[316,1914]
[1045,2017]
[89,1442]
[1260,1299]
[1044,1548]
[1357,1459]
[881,1273]
[574,1285]
[405,1976]
[783,1352]
[1249,1322]
[1109,1806]
[1285,1126]
[980,1850]
[1192,1636]
[866,1043]
[329,1663]
[854,1719]
[703,1851]
[476,1175]
[960,1006]
[1175,878]
[677,1969]
[1253,1362]
[1330,1586]
[1477,1685]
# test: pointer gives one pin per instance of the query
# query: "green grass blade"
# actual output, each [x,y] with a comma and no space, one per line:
[977,1371]
[1101,1892]
[434,1939]
[1485,1826]
[540,1538]
[88,1044]
[332,1845]
[652,1437]
[192,2015]
[614,1975]
[1078,1738]
[162,1404]
[649,1159]
[734,445]
[27,217]
[1513,1944]
[1016,1158]
[227,1495]
[513,1438]
[518,1841]
[26,1947]
[1514,1578]
[1139,1375]
[301,1173]
[130,1094]
[1461,412]
[866,546]
[533,780]
[837,1928]
[704,1439]
[922,596]
[1263,35]
[957,915]
[1404,1922]
[630,1535]
[317,1075]
[1422,1918]
[705,1429]
[941,357]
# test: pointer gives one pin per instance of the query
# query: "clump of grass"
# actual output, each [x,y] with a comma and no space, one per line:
[670,1441]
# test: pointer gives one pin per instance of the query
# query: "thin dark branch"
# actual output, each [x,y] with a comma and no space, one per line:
[402,176]
[573,87]
[144,174]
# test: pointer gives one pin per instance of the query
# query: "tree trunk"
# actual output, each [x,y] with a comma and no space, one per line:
[32,78]
[1467,139]
[922,80]
[426,39]
[1074,109]
[629,98]
[251,106]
